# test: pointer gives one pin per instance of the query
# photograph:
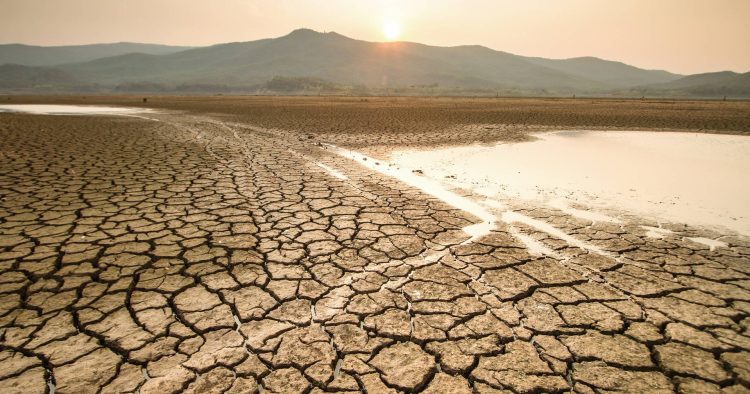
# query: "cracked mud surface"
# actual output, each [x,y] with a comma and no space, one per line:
[198,255]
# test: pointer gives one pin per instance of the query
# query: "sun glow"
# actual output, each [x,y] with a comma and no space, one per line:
[391,30]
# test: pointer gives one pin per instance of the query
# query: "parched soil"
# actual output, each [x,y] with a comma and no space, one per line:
[402,121]
[209,251]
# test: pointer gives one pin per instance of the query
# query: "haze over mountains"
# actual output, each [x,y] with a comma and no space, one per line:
[30,55]
[306,61]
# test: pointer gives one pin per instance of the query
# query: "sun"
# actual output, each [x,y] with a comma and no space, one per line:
[391,30]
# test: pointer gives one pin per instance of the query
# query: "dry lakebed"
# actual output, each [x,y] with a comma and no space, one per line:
[379,245]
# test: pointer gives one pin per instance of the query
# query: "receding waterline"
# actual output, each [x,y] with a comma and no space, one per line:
[488,219]
[430,187]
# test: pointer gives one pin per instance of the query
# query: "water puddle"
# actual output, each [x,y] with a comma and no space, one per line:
[693,178]
[47,109]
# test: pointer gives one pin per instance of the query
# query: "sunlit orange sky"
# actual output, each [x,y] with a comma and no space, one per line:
[683,36]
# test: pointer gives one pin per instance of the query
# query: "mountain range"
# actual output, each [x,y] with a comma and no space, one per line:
[30,55]
[306,61]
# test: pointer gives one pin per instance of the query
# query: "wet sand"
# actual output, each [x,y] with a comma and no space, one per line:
[208,252]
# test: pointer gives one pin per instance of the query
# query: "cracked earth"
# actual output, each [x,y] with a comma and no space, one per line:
[191,254]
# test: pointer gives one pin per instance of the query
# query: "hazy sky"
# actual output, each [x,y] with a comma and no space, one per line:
[685,36]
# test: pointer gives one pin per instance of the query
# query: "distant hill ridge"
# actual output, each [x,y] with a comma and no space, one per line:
[335,61]
[30,55]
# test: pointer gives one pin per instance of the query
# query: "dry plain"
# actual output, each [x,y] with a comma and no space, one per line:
[217,245]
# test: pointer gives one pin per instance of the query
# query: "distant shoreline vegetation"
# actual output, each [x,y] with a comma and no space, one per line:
[311,86]
[18,79]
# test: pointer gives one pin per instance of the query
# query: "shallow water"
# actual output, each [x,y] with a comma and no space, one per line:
[46,109]
[692,178]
